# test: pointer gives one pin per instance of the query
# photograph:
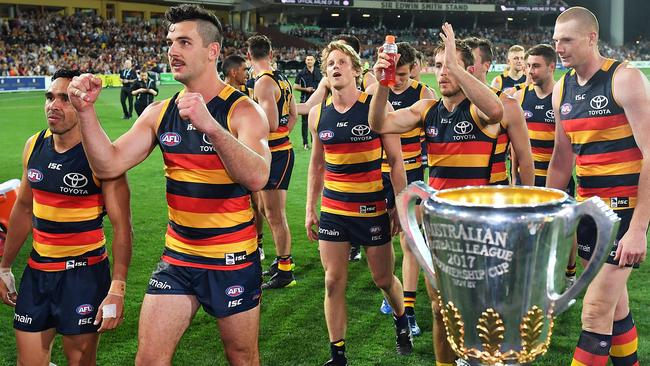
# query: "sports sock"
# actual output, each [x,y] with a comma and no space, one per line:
[624,343]
[409,302]
[284,263]
[337,350]
[592,349]
[570,270]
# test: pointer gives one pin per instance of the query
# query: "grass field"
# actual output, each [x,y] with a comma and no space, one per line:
[293,330]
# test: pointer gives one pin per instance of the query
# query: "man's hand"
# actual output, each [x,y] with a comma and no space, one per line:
[110,313]
[383,62]
[8,287]
[311,220]
[631,248]
[395,226]
[191,106]
[84,90]
[449,39]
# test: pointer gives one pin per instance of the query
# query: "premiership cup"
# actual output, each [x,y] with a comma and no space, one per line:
[496,256]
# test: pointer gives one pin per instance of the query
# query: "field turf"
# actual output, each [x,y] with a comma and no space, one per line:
[293,330]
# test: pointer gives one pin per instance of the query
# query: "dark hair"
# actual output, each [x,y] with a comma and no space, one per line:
[483,45]
[259,46]
[65,73]
[208,25]
[408,54]
[544,50]
[466,55]
[350,40]
[231,62]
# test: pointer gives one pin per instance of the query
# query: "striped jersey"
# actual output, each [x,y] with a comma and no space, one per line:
[68,205]
[504,81]
[210,216]
[410,141]
[499,173]
[540,121]
[353,183]
[279,139]
[608,160]
[458,149]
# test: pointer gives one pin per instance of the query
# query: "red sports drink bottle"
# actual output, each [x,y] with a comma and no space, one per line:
[388,74]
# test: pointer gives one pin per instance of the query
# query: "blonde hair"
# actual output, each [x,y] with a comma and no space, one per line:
[346,49]
[516,48]
[584,16]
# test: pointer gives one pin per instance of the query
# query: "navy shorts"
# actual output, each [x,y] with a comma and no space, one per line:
[587,236]
[221,292]
[281,169]
[64,300]
[411,176]
[366,231]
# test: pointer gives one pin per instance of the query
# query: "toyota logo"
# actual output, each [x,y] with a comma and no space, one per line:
[463,128]
[360,130]
[550,114]
[599,102]
[206,139]
[75,180]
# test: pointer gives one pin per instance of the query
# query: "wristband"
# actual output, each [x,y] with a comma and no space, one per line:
[118,288]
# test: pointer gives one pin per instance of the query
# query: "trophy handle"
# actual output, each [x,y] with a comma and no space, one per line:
[607,223]
[407,216]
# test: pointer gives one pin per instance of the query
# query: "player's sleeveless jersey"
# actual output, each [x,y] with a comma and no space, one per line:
[353,184]
[410,141]
[247,91]
[68,206]
[499,174]
[210,216]
[540,120]
[279,139]
[458,149]
[504,81]
[608,161]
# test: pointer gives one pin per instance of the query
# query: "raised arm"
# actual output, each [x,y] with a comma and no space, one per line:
[245,153]
[118,207]
[632,92]
[484,100]
[315,176]
[110,160]
[393,147]
[267,93]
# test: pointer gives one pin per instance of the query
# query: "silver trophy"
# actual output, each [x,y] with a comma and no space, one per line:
[496,256]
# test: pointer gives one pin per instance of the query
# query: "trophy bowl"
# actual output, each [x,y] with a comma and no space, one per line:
[496,256]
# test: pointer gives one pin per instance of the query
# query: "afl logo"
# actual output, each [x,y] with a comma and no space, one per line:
[528,114]
[85,309]
[375,230]
[432,131]
[234,291]
[206,140]
[170,139]
[550,114]
[598,102]
[326,135]
[34,175]
[565,108]
[463,128]
[75,180]
[360,130]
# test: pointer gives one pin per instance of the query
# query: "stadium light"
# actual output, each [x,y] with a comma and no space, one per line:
[335,14]
[366,15]
[398,16]
[510,19]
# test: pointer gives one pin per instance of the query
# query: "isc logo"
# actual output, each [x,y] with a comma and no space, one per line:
[234,303]
[170,139]
[86,321]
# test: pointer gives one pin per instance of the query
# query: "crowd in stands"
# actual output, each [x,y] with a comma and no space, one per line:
[40,44]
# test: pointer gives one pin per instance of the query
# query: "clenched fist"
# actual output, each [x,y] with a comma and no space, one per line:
[84,90]
[191,106]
